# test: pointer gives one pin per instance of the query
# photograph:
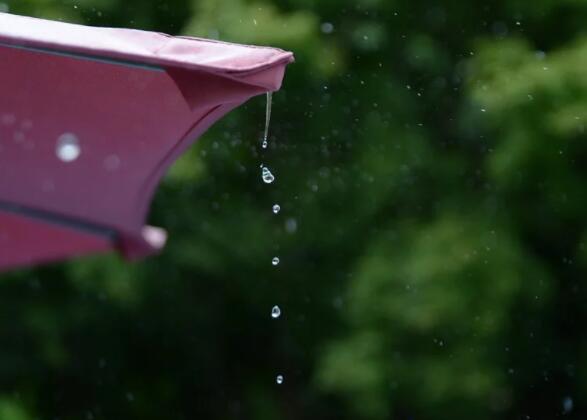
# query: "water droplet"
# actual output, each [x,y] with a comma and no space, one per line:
[327,27]
[291,225]
[275,261]
[67,148]
[267,120]
[275,312]
[276,208]
[267,176]
[279,379]
[568,405]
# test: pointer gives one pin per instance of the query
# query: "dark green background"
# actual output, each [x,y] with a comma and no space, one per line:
[431,168]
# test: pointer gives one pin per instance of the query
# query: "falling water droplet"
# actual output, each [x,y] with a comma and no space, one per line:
[67,148]
[291,225]
[275,312]
[567,405]
[276,208]
[267,176]
[327,27]
[267,120]
[275,261]
[279,379]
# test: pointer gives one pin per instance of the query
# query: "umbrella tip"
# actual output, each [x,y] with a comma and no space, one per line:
[154,236]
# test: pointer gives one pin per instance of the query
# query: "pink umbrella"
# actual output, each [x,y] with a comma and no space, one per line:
[90,120]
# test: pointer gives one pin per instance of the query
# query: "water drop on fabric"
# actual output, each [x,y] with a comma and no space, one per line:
[67,148]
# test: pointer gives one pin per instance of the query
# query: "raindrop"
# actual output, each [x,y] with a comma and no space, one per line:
[567,405]
[275,261]
[267,176]
[279,379]
[276,208]
[67,148]
[275,312]
[327,27]
[291,225]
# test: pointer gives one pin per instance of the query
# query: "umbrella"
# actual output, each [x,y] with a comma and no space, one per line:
[91,119]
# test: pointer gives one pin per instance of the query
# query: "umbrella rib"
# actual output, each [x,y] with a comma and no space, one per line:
[57,219]
[120,62]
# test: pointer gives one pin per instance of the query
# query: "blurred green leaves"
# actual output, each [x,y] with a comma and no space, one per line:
[435,301]
[10,410]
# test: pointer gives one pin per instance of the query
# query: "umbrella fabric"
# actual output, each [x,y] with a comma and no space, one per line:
[90,120]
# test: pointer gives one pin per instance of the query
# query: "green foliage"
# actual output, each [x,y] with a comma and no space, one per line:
[10,410]
[429,306]
[431,166]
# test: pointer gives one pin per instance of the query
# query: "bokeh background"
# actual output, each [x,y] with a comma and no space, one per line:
[431,165]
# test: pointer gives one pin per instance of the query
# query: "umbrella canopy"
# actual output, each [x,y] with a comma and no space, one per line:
[90,120]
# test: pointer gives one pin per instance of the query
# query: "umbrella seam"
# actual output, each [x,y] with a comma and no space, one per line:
[60,220]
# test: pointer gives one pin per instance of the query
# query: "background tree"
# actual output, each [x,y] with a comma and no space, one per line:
[431,167]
